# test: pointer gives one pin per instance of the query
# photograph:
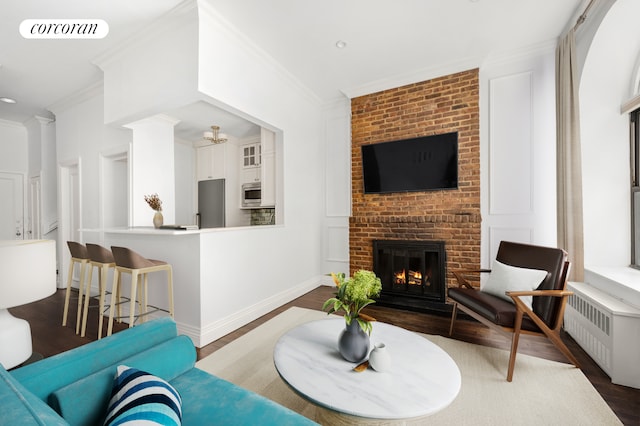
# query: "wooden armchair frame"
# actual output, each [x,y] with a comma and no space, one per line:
[553,332]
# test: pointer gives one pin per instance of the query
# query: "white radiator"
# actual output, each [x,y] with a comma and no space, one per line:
[608,330]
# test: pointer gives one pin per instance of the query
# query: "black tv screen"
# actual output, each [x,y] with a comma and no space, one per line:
[419,164]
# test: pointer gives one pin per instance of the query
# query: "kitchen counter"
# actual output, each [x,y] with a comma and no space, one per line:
[149,230]
[205,261]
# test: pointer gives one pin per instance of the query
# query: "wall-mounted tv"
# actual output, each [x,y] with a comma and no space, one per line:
[418,164]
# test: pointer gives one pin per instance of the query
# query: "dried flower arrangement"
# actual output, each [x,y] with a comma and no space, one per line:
[154,202]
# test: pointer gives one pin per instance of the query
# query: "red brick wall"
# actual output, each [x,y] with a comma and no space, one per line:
[441,105]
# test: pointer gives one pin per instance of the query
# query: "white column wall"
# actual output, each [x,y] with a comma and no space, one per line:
[517,150]
[153,168]
[337,181]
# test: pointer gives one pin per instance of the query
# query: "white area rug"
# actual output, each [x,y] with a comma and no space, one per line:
[542,392]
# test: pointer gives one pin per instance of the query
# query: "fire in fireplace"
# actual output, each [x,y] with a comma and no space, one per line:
[412,273]
[410,278]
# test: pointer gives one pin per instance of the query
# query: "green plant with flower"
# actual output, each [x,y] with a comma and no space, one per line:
[154,202]
[352,295]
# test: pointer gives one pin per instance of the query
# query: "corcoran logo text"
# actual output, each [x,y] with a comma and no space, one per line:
[64,28]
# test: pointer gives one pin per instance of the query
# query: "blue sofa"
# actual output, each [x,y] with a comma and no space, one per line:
[73,388]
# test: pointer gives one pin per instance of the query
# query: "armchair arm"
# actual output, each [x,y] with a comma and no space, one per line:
[552,293]
[462,281]
[522,308]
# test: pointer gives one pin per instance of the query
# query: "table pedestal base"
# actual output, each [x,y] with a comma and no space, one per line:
[333,418]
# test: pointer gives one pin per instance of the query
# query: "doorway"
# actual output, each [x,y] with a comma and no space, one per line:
[12,206]
[35,216]
[70,210]
[114,188]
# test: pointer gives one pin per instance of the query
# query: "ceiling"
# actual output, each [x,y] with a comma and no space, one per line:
[398,41]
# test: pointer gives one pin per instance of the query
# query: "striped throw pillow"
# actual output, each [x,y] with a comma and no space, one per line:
[138,397]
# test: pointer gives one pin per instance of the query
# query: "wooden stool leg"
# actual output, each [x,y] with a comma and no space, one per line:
[87,300]
[115,294]
[80,292]
[65,312]
[145,295]
[170,290]
[102,282]
[132,304]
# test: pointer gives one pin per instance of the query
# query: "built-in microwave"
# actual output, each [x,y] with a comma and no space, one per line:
[251,195]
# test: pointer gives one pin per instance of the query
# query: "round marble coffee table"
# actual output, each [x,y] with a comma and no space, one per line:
[422,380]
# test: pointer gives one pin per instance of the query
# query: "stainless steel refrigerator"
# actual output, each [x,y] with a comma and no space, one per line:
[211,203]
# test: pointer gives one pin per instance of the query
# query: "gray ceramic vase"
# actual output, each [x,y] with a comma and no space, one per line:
[353,343]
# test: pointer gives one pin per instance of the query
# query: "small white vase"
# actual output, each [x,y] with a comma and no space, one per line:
[158,220]
[379,358]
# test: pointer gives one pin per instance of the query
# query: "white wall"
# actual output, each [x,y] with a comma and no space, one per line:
[81,138]
[262,262]
[152,168]
[185,183]
[605,85]
[337,187]
[13,145]
[517,150]
[154,72]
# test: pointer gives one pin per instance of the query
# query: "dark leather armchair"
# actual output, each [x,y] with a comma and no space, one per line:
[549,298]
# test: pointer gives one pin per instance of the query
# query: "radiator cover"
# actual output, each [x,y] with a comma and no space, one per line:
[608,330]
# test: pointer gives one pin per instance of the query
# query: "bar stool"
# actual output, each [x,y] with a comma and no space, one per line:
[79,256]
[128,261]
[101,258]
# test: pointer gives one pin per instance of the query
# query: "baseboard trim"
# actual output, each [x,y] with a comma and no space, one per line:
[223,326]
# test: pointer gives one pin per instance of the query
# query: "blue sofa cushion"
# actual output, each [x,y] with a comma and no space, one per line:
[138,396]
[85,401]
[45,376]
[19,406]
[210,400]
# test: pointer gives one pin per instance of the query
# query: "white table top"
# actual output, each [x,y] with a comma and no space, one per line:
[422,380]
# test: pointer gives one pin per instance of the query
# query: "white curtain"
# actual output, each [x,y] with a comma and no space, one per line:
[569,159]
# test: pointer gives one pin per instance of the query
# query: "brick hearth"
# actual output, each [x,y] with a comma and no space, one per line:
[441,105]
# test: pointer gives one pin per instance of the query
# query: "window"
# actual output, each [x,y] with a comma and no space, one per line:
[635,188]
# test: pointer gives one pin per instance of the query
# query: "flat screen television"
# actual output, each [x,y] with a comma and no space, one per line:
[418,164]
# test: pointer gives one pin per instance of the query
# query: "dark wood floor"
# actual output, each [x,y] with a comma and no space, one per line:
[50,338]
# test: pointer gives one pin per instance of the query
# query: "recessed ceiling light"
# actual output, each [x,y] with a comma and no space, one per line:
[8,100]
[340,44]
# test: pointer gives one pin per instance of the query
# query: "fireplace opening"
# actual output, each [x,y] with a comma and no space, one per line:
[412,273]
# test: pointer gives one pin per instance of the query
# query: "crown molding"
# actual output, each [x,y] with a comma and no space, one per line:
[181,15]
[255,50]
[157,118]
[546,47]
[12,124]
[83,95]
[411,77]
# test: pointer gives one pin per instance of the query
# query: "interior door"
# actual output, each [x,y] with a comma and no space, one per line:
[12,206]
[35,213]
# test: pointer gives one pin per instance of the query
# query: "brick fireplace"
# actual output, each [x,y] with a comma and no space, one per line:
[441,105]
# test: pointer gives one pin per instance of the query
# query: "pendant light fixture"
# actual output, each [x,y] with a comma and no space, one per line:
[214,136]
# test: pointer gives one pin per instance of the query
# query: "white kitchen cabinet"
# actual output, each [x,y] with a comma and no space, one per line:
[250,175]
[212,162]
[251,154]
[250,160]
